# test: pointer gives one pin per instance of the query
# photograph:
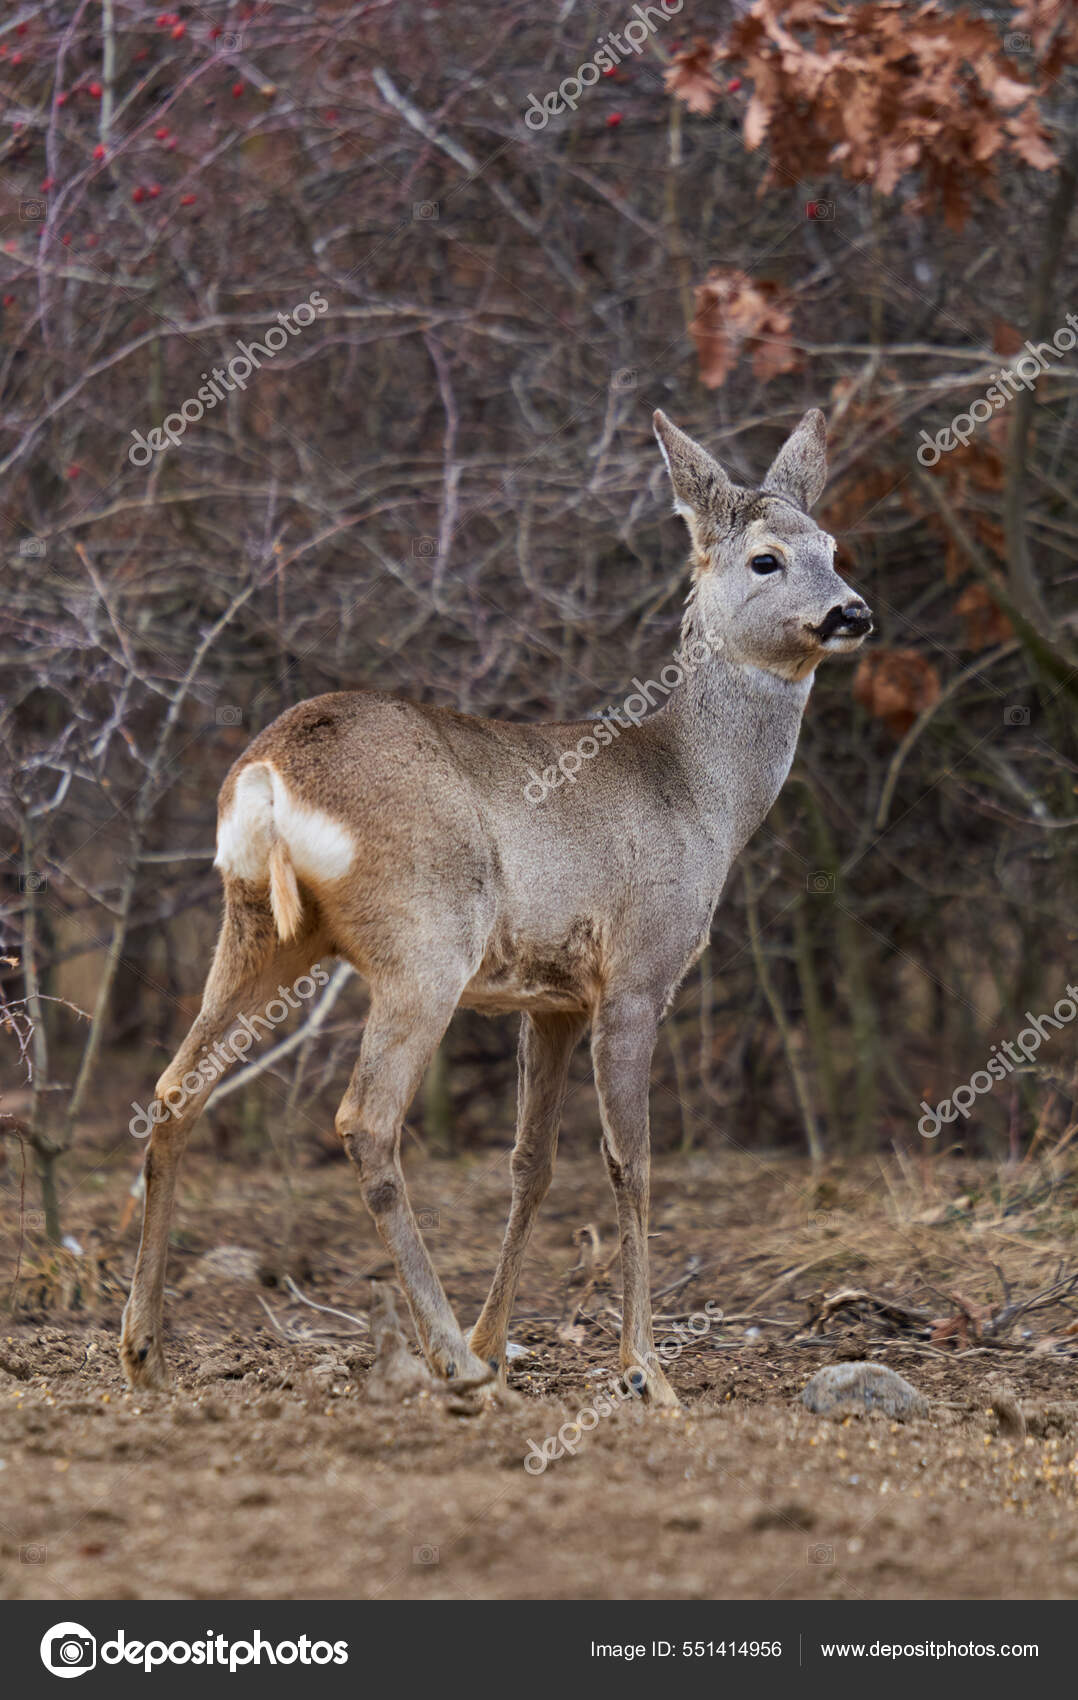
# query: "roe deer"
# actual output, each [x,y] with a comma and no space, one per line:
[399,836]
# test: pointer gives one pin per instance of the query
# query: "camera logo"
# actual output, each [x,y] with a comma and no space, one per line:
[67,1649]
[1013,715]
[820,210]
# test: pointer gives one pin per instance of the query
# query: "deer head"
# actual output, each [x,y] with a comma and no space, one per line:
[766,592]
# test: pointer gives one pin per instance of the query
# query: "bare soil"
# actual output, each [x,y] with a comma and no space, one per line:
[267,1473]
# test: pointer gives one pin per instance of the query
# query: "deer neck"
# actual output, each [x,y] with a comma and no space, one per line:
[732,728]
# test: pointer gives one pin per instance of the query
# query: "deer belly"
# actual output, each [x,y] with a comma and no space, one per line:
[522,974]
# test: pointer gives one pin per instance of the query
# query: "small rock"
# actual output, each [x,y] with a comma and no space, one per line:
[228,1365]
[327,1371]
[864,1386]
[230,1263]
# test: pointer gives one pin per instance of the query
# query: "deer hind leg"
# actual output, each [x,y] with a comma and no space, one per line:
[402,1033]
[622,1044]
[249,965]
[547,1043]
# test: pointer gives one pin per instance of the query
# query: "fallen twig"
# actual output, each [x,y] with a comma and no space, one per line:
[329,1310]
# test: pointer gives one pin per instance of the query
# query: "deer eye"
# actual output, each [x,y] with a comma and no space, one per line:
[765,564]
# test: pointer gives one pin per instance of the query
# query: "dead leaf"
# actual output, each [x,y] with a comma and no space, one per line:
[896,686]
[689,76]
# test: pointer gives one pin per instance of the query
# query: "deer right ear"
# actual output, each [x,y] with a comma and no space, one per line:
[799,470]
[703,495]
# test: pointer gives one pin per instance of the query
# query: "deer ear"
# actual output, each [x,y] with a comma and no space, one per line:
[799,470]
[703,494]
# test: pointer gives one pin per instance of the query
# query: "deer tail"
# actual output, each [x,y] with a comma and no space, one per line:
[284,891]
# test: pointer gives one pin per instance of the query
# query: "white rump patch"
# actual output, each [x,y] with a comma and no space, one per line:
[262,809]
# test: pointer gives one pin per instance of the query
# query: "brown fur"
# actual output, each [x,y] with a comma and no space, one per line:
[284,893]
[404,838]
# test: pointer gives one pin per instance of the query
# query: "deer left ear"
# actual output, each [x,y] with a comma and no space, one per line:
[799,470]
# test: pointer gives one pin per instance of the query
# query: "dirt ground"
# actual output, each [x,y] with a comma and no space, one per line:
[268,1473]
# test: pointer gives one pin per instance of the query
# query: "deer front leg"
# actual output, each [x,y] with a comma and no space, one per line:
[622,1043]
[547,1043]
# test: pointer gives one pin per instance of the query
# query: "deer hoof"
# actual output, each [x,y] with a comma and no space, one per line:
[461,1368]
[144,1366]
[652,1386]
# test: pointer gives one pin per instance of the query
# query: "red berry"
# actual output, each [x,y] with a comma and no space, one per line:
[95,90]
[16,58]
[9,300]
[237,90]
[733,85]
[155,190]
[61,100]
[138,194]
[66,239]
[73,470]
[179,32]
[91,240]
[172,141]
[613,119]
[611,71]
[188,200]
[47,183]
[20,29]
[215,32]
[332,115]
[161,132]
[99,151]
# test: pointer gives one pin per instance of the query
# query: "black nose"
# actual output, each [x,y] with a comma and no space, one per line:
[853,617]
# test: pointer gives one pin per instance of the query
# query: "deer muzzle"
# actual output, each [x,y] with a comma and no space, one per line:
[845,619]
